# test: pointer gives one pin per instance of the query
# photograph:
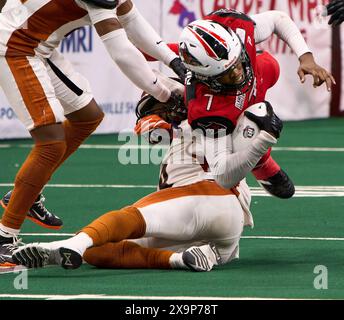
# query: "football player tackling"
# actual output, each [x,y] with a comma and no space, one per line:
[191,222]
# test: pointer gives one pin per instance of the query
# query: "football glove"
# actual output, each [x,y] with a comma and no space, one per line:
[269,123]
[152,128]
[335,9]
[178,67]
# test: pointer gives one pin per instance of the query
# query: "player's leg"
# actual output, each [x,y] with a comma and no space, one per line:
[29,91]
[83,117]
[268,172]
[181,225]
[127,254]
[183,242]
[81,110]
[175,213]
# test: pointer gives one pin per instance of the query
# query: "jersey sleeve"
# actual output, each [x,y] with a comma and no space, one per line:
[173,46]
[230,168]
[97,14]
[283,26]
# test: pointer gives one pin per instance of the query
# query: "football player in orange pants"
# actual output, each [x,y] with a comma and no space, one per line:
[38,82]
[191,222]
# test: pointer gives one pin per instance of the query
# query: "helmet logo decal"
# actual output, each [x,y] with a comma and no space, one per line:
[215,46]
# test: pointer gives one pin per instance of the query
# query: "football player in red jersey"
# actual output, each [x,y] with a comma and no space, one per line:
[227,75]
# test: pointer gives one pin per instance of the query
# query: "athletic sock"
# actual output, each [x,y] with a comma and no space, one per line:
[266,169]
[79,243]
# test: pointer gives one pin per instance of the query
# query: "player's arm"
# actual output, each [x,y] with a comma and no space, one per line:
[335,9]
[229,168]
[143,36]
[279,23]
[128,58]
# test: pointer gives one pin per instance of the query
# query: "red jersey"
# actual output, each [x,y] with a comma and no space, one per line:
[208,109]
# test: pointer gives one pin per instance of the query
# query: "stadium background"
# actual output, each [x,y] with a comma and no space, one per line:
[293,241]
[118,96]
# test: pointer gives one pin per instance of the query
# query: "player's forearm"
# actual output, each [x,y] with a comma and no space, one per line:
[230,168]
[142,34]
[133,64]
[283,26]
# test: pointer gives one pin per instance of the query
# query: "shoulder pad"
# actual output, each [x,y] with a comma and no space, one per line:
[106,4]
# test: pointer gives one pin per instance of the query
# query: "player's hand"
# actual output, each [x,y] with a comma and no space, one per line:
[335,9]
[178,67]
[319,74]
[151,128]
[270,123]
[150,123]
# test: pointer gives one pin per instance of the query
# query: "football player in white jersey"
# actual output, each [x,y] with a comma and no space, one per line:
[37,82]
[191,222]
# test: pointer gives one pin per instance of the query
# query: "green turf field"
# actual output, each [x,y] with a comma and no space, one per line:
[277,258]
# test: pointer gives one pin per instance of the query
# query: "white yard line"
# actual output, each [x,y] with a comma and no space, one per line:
[301,191]
[243,237]
[144,147]
[119,297]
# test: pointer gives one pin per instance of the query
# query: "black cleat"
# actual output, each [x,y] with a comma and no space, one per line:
[70,259]
[38,255]
[7,246]
[38,213]
[279,185]
[201,258]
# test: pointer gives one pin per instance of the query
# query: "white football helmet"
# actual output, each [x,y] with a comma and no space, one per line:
[209,50]
[246,130]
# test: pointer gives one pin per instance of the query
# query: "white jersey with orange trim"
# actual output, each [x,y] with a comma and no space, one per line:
[36,27]
[185,164]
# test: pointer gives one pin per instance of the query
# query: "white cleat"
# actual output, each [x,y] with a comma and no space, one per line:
[201,258]
[38,255]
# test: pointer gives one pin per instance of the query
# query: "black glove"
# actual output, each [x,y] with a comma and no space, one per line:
[178,67]
[176,101]
[270,123]
[335,9]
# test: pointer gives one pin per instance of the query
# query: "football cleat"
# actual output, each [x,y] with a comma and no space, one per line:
[7,247]
[38,255]
[279,185]
[201,258]
[38,213]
